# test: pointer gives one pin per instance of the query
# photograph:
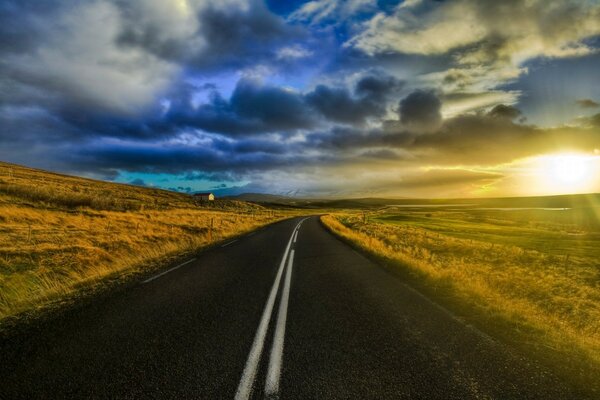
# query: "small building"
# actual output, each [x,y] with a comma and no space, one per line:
[204,196]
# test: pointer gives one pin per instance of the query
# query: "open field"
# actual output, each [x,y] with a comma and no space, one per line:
[530,277]
[60,233]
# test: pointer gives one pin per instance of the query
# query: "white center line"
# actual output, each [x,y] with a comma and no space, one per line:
[244,389]
[169,270]
[227,244]
[275,360]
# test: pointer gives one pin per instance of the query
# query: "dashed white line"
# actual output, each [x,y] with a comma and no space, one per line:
[169,270]
[227,244]
[244,389]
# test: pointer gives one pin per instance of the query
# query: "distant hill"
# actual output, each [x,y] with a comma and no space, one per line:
[262,198]
[557,201]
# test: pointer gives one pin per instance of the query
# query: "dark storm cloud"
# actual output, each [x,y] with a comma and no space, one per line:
[378,87]
[253,108]
[369,99]
[337,104]
[587,103]
[275,107]
[421,111]
[175,158]
[504,111]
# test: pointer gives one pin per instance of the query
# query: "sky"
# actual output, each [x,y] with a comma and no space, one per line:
[322,98]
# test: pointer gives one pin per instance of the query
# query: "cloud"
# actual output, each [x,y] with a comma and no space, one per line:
[119,56]
[337,104]
[458,102]
[253,108]
[320,11]
[587,103]
[230,92]
[513,29]
[496,37]
[205,34]
[78,61]
[442,178]
[420,111]
[293,53]
[506,112]
[483,139]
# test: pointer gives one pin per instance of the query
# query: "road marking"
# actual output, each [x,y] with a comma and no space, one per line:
[169,270]
[227,244]
[275,360]
[244,389]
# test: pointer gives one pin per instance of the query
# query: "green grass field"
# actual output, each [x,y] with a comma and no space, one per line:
[568,232]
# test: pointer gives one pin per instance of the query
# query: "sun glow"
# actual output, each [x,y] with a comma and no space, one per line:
[182,6]
[567,173]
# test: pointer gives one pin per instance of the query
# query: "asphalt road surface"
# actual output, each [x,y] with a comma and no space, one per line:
[288,312]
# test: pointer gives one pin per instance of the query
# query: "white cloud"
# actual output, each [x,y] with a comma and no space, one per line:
[81,60]
[499,35]
[293,53]
[321,10]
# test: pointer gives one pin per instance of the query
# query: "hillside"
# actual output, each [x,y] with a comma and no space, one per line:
[42,189]
[59,233]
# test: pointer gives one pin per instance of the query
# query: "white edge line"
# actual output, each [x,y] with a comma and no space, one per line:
[276,357]
[169,270]
[244,389]
[227,244]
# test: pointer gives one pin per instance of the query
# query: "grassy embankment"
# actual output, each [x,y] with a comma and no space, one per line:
[531,278]
[60,234]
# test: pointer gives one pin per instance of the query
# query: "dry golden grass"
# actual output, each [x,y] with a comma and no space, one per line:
[59,233]
[544,303]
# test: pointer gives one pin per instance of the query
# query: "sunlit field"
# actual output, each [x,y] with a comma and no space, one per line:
[59,234]
[529,276]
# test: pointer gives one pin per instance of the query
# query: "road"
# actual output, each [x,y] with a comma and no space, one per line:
[288,312]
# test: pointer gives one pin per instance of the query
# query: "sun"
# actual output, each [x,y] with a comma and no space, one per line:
[566,173]
[568,169]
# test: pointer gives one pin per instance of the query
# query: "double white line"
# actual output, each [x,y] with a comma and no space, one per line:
[244,389]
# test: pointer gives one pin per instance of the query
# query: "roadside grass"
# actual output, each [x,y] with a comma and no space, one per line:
[60,233]
[531,281]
